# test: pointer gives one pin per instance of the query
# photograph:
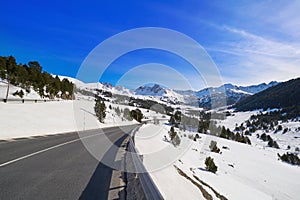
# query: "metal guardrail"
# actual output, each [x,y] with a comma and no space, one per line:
[27,100]
[148,186]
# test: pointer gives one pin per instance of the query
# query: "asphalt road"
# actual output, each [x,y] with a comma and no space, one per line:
[58,166]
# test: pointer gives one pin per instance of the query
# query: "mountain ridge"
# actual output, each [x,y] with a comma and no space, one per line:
[284,95]
[200,98]
[233,93]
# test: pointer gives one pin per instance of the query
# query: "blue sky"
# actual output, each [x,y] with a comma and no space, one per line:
[250,41]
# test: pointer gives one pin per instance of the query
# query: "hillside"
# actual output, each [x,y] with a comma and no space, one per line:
[31,78]
[284,95]
[252,170]
[233,93]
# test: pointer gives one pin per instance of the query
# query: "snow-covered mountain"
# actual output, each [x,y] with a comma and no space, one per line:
[200,98]
[151,90]
[233,89]
[233,93]
[253,89]
[203,97]
[160,93]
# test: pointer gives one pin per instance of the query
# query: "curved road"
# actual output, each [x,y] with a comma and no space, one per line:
[60,167]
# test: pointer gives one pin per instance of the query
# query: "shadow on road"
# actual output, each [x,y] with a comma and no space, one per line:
[99,184]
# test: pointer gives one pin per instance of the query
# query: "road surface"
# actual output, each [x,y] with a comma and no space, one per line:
[59,167]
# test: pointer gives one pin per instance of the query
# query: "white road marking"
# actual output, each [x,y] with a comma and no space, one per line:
[44,150]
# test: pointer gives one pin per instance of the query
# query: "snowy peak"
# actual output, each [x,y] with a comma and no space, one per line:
[151,90]
[203,97]
[200,98]
[161,93]
[253,89]
[230,88]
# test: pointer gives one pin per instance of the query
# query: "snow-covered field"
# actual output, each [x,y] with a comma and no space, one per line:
[236,118]
[31,119]
[244,171]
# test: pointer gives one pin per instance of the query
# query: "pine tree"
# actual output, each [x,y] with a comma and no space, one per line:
[210,165]
[137,115]
[290,158]
[238,137]
[175,139]
[275,145]
[100,109]
[177,116]
[117,110]
[2,67]
[271,143]
[172,120]
[224,133]
[263,137]
[21,93]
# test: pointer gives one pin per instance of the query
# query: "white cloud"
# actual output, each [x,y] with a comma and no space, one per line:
[259,45]
[254,58]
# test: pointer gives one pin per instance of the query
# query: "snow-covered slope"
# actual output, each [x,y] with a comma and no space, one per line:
[92,87]
[244,171]
[72,80]
[12,89]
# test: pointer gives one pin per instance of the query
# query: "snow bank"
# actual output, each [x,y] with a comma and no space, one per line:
[31,119]
[21,120]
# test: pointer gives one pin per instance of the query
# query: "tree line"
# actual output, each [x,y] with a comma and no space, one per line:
[283,96]
[100,110]
[206,125]
[31,76]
